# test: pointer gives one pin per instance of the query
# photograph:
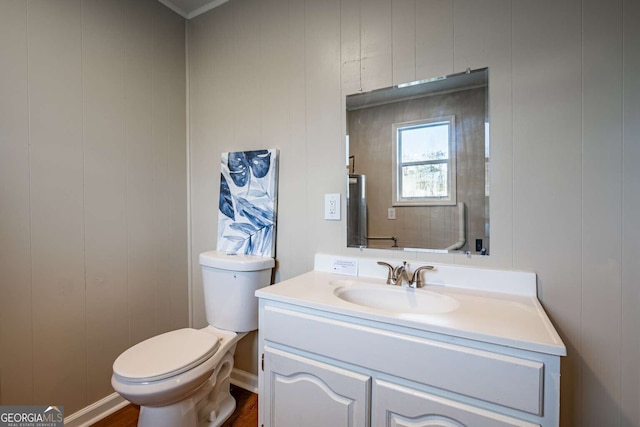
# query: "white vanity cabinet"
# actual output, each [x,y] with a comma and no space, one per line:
[323,368]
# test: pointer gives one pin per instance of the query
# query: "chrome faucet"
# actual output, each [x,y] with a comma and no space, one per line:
[399,275]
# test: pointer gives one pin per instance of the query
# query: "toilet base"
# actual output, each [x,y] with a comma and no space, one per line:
[223,413]
[209,405]
[184,416]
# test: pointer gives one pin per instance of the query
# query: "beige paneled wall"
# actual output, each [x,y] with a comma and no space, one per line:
[15,221]
[93,201]
[629,289]
[252,85]
[564,183]
[547,162]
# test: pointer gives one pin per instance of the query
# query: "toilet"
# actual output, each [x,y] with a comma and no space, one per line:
[181,378]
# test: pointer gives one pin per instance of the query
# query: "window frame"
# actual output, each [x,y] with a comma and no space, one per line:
[396,175]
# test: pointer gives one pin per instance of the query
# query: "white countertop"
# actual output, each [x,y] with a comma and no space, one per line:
[512,320]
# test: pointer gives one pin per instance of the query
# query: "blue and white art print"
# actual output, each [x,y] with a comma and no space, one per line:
[247,207]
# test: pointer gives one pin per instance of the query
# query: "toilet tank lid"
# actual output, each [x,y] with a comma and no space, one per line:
[235,262]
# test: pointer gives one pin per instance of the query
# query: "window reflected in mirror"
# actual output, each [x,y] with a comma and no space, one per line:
[424,162]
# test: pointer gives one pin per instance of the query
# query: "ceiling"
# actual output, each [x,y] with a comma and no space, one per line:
[191,8]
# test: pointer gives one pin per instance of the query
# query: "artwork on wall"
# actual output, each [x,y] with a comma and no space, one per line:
[247,205]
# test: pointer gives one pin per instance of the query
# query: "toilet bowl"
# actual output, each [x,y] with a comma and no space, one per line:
[181,378]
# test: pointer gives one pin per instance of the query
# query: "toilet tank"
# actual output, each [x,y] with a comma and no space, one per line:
[230,282]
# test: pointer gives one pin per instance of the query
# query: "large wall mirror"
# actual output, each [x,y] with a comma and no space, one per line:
[418,165]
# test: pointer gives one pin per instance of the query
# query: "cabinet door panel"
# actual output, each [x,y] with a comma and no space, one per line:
[305,392]
[399,406]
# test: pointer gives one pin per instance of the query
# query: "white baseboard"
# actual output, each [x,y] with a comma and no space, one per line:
[110,404]
[96,411]
[245,380]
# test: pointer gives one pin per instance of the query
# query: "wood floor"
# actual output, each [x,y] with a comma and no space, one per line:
[245,415]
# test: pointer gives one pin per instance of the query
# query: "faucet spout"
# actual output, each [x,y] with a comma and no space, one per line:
[401,274]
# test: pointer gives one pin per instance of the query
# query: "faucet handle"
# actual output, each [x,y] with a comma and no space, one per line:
[416,279]
[389,273]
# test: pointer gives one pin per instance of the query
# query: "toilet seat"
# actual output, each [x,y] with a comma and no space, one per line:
[165,355]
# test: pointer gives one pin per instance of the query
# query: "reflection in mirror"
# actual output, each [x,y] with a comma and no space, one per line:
[418,165]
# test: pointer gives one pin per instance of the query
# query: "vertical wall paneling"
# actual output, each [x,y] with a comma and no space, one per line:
[105,191]
[178,212]
[160,154]
[630,388]
[434,38]
[483,39]
[94,194]
[323,119]
[293,234]
[350,49]
[275,122]
[57,209]
[204,48]
[403,37]
[16,356]
[139,143]
[375,27]
[601,209]
[273,67]
[547,152]
[223,80]
[245,99]
[482,34]
[177,172]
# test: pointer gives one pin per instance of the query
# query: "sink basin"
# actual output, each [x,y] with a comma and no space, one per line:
[397,299]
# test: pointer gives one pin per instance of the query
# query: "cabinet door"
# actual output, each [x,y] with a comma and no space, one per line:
[307,393]
[399,406]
